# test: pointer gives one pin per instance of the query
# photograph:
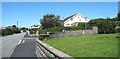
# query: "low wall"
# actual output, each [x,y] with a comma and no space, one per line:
[48,52]
[76,33]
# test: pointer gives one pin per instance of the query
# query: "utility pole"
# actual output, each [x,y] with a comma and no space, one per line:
[17,23]
[85,23]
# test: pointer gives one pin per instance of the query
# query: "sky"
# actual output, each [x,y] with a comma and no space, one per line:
[30,13]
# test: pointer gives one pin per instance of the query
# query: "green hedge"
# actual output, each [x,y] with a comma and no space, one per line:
[73,28]
[54,29]
[7,31]
[10,31]
[42,31]
[59,29]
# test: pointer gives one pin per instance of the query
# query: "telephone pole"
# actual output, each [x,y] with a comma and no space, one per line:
[85,23]
[17,23]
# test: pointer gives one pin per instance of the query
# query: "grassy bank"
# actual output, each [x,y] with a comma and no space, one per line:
[101,45]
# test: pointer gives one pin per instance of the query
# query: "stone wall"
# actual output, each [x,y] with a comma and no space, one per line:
[76,32]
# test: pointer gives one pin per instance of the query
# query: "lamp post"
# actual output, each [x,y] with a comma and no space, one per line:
[85,26]
[17,24]
[85,23]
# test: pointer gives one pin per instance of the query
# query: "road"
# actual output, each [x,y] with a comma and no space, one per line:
[9,43]
[26,48]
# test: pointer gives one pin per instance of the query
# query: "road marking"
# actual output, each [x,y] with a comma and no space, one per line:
[19,42]
[23,41]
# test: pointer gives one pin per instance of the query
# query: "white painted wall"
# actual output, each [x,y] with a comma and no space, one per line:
[75,19]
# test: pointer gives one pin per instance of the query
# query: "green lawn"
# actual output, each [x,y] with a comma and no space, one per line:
[101,45]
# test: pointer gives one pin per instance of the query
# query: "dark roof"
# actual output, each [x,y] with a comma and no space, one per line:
[69,17]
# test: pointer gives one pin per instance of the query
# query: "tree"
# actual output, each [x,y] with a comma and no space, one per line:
[118,16]
[105,26]
[50,20]
[14,26]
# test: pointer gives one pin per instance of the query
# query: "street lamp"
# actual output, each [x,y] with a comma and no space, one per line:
[85,23]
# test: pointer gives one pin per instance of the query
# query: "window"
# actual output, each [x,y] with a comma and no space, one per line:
[79,19]
[67,24]
[71,19]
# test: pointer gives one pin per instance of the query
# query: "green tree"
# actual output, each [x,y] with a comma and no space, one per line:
[14,26]
[118,16]
[50,20]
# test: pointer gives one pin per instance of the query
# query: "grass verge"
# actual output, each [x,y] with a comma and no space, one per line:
[101,45]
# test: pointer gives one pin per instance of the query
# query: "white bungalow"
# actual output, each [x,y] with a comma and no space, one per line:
[73,20]
[35,26]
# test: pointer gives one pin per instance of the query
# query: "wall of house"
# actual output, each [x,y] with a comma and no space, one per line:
[75,19]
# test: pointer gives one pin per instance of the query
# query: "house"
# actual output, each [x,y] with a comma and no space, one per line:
[73,20]
[35,26]
[3,27]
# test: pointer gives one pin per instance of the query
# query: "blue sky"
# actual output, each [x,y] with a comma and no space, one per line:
[30,13]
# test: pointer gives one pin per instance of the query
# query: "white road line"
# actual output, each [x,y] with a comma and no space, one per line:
[19,42]
[23,41]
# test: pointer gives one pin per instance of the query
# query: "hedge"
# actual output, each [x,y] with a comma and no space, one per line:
[7,31]
[59,29]
[10,31]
